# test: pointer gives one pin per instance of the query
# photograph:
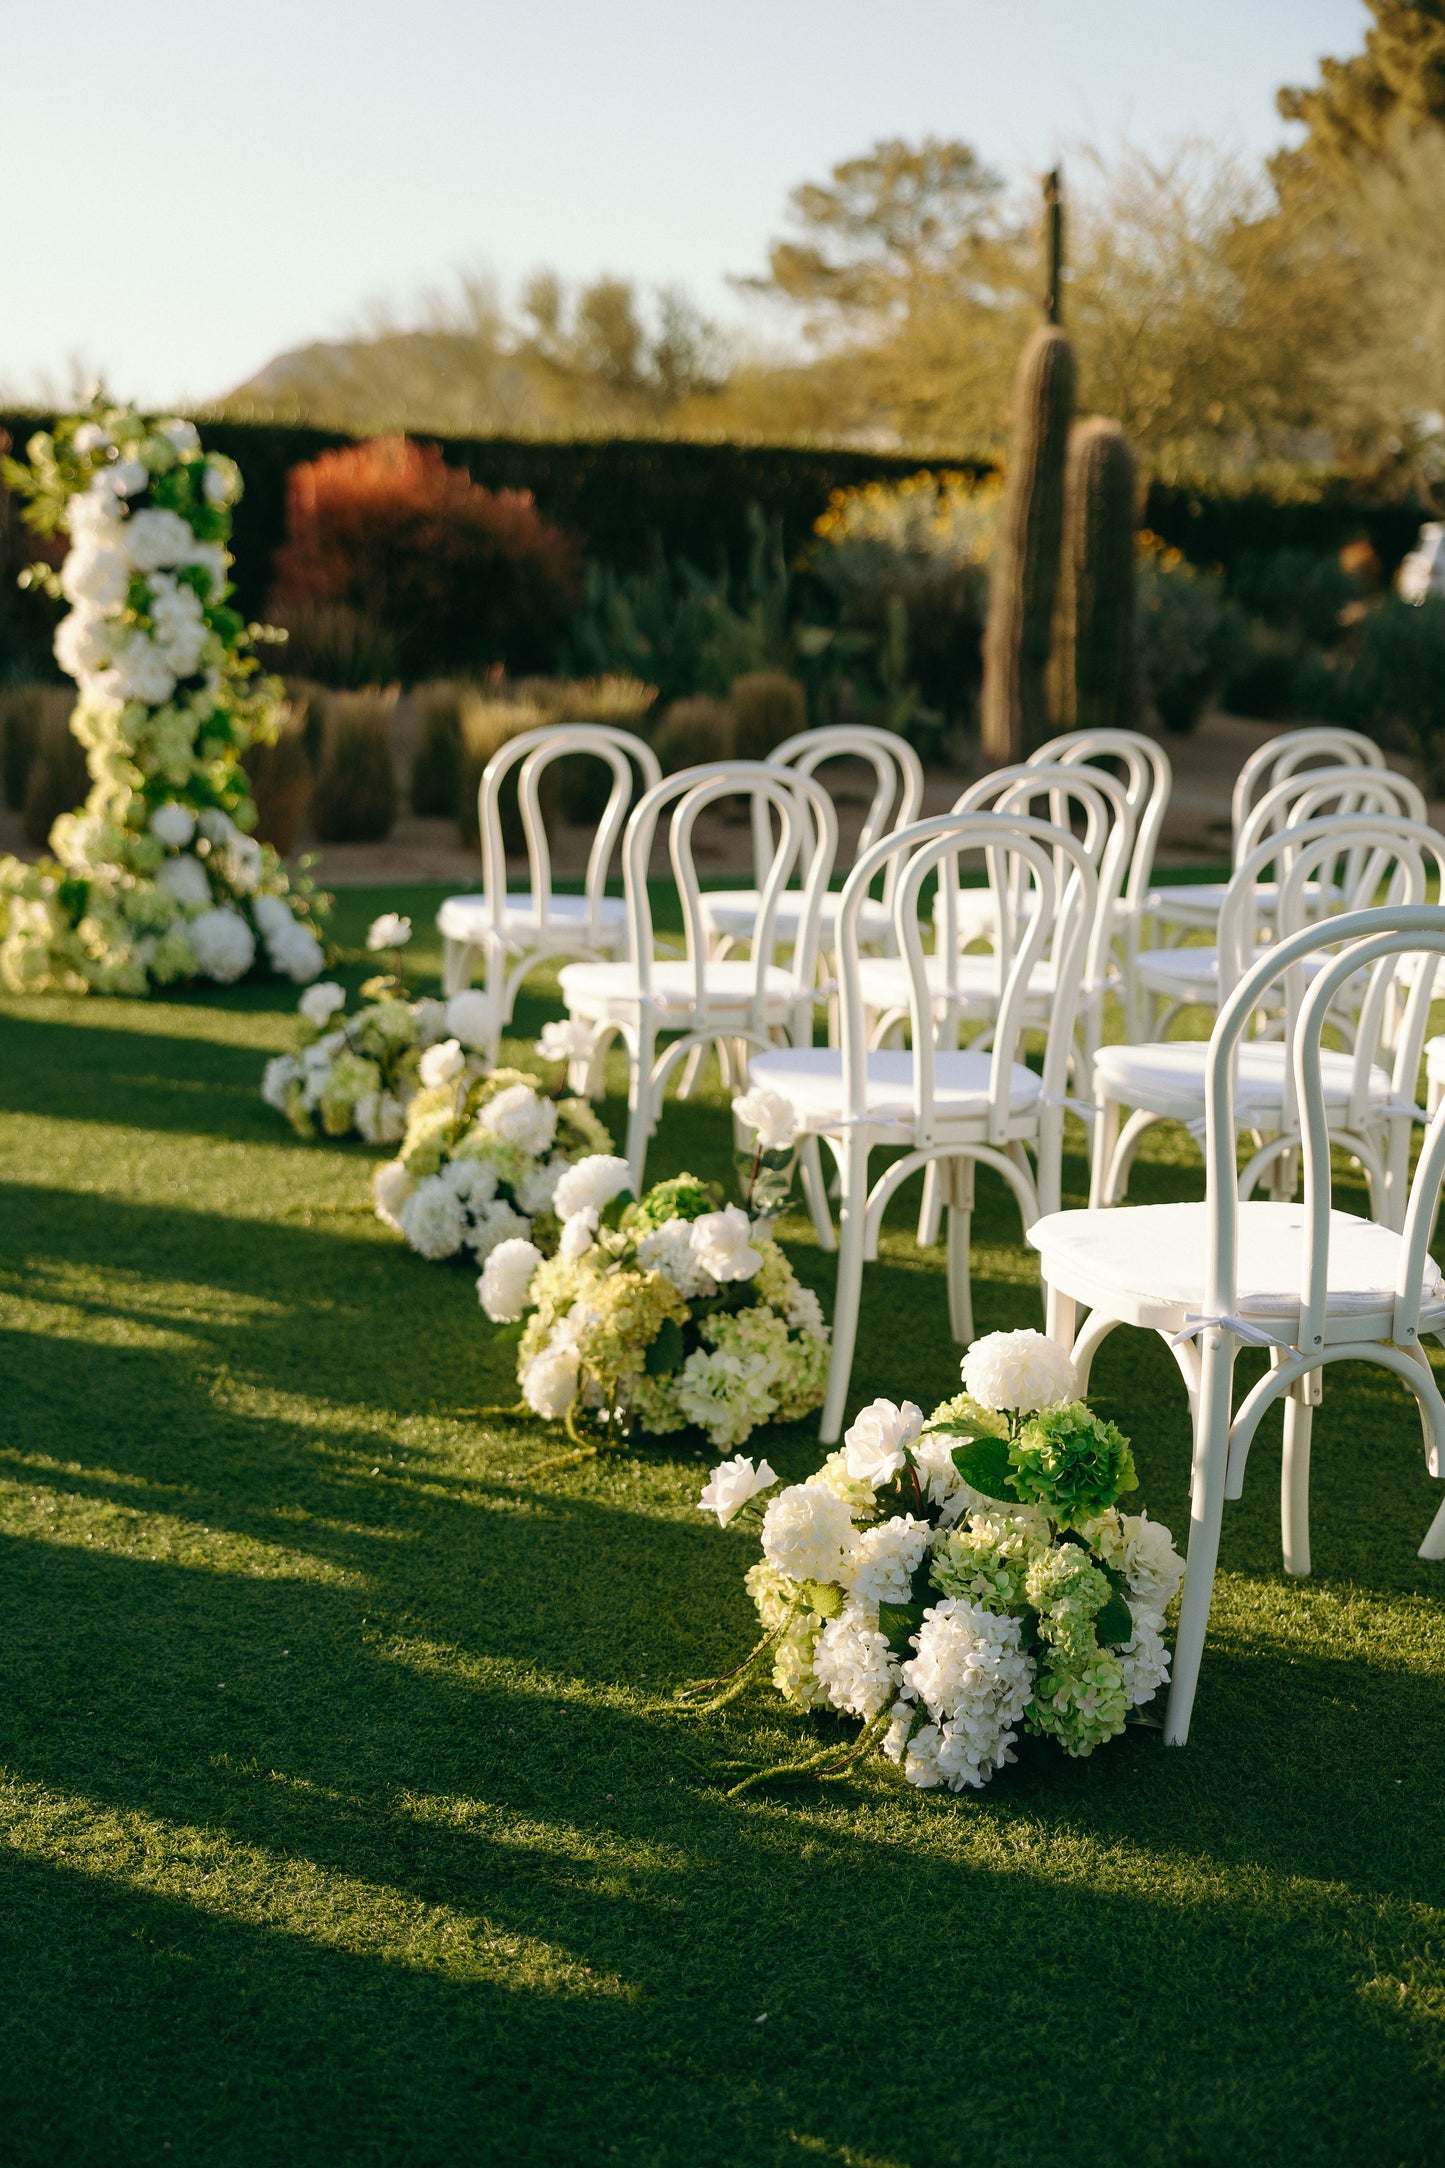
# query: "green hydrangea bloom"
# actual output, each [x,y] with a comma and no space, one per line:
[684,1197]
[1068,1592]
[626,1312]
[382,1027]
[1072,1463]
[775,1278]
[1080,1705]
[579,1130]
[988,1560]
[963,1408]
[350,1079]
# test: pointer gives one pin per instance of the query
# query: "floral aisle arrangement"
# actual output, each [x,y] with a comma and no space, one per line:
[482,1157]
[156,877]
[357,1075]
[659,1312]
[955,1581]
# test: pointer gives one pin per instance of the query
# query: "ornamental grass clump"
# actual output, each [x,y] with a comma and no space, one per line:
[957,1582]
[157,878]
[657,1313]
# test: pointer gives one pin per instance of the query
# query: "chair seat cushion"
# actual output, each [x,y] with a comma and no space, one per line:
[469,918]
[885,979]
[1153,1256]
[1202,901]
[734,911]
[1167,1077]
[595,990]
[812,1078]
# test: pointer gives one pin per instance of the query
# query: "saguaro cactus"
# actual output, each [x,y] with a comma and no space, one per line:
[1017,639]
[1095,646]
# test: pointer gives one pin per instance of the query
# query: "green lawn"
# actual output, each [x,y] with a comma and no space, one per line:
[344,1816]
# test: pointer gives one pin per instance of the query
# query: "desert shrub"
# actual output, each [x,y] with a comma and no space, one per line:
[1187,633]
[768,706]
[1304,592]
[1397,686]
[58,779]
[23,712]
[282,779]
[436,763]
[692,731]
[1277,675]
[355,797]
[454,574]
[336,646]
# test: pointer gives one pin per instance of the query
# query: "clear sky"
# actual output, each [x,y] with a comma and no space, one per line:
[189,190]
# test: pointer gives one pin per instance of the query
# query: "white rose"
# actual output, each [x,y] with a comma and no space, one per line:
[469,1017]
[391,930]
[592,1183]
[184,881]
[433,1219]
[173,825]
[441,1064]
[721,1246]
[320,1003]
[391,1186]
[224,944]
[154,538]
[1152,1566]
[1019,1370]
[578,1232]
[773,1117]
[875,1443]
[567,1039]
[808,1534]
[730,1486]
[518,1117]
[506,1277]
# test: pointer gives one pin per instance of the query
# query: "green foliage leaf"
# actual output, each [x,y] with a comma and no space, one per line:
[666,1351]
[984,1463]
[1114,1624]
[899,1622]
[823,1598]
[611,1214]
[510,1335]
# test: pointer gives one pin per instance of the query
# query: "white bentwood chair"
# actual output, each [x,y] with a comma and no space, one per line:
[511,931]
[701,999]
[1312,1285]
[939,1104]
[1184,976]
[895,803]
[1292,754]
[1369,1088]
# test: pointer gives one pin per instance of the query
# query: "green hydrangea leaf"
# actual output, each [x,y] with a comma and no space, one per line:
[611,1213]
[899,1622]
[823,1598]
[1114,1624]
[666,1352]
[984,1463]
[510,1335]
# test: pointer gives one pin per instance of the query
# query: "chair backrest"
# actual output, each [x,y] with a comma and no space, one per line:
[1406,859]
[1321,745]
[1342,788]
[1019,852]
[807,824]
[1148,780]
[897,781]
[1057,795]
[1374,942]
[619,750]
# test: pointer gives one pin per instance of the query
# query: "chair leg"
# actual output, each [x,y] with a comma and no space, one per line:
[1061,1314]
[457,960]
[1105,1142]
[815,1193]
[639,1105]
[1434,1545]
[930,1211]
[1206,1512]
[849,1293]
[960,1177]
[691,1071]
[1294,1475]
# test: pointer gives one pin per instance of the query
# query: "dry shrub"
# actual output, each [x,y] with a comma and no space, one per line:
[487,721]
[693,731]
[576,787]
[58,779]
[355,798]
[437,763]
[337,646]
[769,706]
[282,778]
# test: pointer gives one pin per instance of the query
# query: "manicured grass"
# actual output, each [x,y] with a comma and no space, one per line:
[344,1815]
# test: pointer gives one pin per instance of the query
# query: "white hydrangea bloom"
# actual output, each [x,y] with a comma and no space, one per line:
[538,1185]
[945,1487]
[1022,1371]
[721,1245]
[668,1250]
[1150,1564]
[468,1018]
[567,1039]
[97,572]
[472,1179]
[591,1184]
[1144,1658]
[517,1116]
[885,1558]
[433,1219]
[808,1533]
[320,1003]
[854,1663]
[505,1279]
[430,1020]
[726,1394]
[153,537]
[442,1064]
[224,944]
[391,1186]
[549,1380]
[185,881]
[277,1078]
[877,1439]
[730,1486]
[578,1234]
[173,825]
[494,1224]
[380,1118]
[805,1312]
[973,1676]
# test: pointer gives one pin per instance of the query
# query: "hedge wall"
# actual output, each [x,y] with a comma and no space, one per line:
[621,495]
